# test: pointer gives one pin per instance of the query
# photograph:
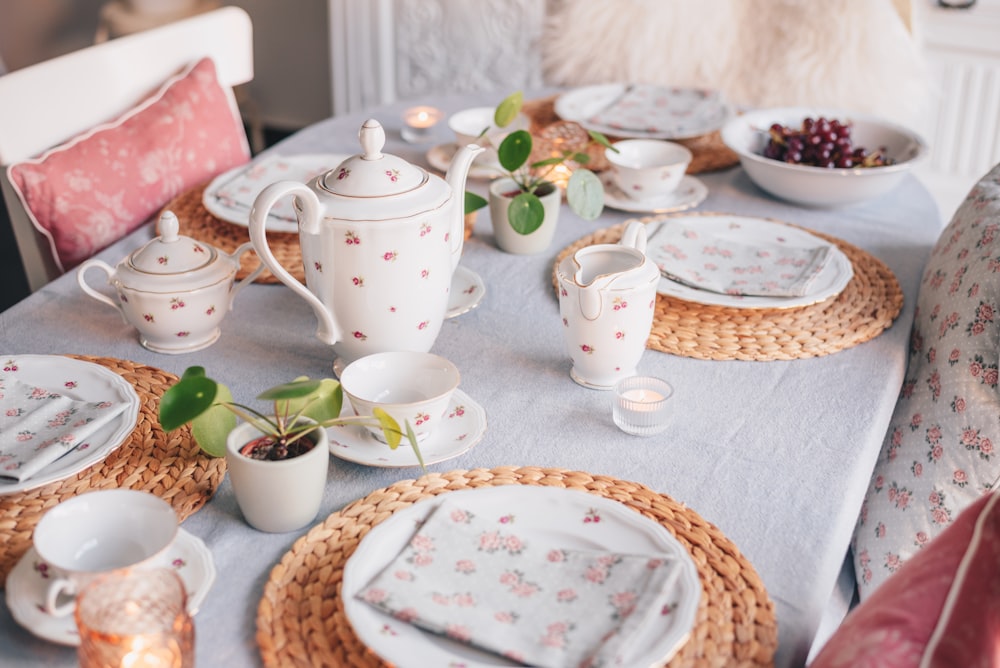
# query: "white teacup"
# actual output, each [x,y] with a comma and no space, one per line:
[98,532]
[648,168]
[476,126]
[412,387]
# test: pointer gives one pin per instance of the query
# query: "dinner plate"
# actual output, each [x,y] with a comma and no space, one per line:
[690,192]
[27,584]
[439,157]
[571,519]
[463,426]
[83,381]
[251,179]
[691,112]
[831,281]
[466,292]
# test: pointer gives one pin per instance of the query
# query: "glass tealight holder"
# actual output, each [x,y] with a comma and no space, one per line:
[419,122]
[642,405]
[135,618]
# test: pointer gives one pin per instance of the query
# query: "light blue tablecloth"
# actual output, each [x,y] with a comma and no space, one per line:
[776,454]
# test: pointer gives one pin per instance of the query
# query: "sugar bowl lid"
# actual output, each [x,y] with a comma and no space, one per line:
[174,262]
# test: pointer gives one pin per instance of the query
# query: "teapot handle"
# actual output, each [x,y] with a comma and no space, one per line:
[634,236]
[309,221]
[99,296]
[248,279]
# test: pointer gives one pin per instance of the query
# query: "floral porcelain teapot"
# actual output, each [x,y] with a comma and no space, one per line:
[380,239]
[174,290]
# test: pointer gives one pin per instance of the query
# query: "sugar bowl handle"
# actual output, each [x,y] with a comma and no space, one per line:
[99,296]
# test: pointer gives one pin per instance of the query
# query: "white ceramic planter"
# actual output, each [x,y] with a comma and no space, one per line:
[522,244]
[277,496]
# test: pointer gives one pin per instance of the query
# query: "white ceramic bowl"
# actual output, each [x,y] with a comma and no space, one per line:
[410,386]
[747,135]
[645,168]
[469,124]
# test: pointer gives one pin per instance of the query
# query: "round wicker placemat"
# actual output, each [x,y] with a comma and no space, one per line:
[710,153]
[197,223]
[301,619]
[864,309]
[171,466]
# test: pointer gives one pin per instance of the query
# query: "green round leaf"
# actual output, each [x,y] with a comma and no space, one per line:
[473,202]
[211,428]
[585,194]
[525,213]
[300,387]
[508,110]
[390,428]
[187,399]
[326,403]
[514,150]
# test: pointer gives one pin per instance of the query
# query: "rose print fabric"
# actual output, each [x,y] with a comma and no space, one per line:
[481,583]
[726,264]
[37,426]
[239,192]
[656,109]
[939,455]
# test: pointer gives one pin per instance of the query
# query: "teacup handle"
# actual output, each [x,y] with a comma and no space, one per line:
[57,587]
[634,236]
[101,297]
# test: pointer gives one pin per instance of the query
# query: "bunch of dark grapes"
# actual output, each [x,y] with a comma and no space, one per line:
[820,142]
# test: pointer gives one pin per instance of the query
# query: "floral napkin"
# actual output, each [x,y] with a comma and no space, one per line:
[240,191]
[522,598]
[729,264]
[39,426]
[655,109]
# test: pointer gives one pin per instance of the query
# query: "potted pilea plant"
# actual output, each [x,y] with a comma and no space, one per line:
[526,198]
[277,462]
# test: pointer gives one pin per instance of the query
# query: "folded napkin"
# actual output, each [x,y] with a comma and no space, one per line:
[647,108]
[729,264]
[240,191]
[484,584]
[38,426]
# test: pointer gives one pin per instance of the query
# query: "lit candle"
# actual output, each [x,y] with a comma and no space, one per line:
[418,123]
[560,175]
[641,405]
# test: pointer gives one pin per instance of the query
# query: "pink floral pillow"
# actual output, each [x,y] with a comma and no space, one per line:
[941,607]
[96,188]
[939,455]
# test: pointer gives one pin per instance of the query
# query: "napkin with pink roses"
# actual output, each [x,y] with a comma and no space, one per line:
[717,262]
[657,109]
[521,598]
[38,426]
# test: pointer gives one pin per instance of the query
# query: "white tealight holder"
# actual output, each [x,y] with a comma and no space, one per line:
[419,122]
[641,405]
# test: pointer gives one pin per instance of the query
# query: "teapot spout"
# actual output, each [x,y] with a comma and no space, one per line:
[456,176]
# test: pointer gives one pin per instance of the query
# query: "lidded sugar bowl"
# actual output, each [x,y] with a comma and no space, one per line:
[174,290]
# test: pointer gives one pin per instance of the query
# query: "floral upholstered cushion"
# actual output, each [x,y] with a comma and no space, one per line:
[939,610]
[97,187]
[939,455]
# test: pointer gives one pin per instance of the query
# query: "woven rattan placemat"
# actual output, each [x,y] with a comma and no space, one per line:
[710,153]
[197,223]
[171,466]
[864,309]
[301,619]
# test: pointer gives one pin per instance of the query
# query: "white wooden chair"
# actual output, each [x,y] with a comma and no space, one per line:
[43,105]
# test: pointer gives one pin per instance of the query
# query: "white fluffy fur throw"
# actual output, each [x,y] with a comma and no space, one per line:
[849,54]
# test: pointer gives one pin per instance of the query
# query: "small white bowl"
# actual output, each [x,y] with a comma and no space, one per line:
[747,135]
[412,387]
[647,168]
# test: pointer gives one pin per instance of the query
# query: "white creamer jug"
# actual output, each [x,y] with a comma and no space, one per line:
[607,296]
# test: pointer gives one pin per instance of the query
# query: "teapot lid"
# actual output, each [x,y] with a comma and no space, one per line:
[373,173]
[171,252]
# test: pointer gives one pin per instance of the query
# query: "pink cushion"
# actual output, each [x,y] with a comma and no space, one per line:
[941,606]
[96,188]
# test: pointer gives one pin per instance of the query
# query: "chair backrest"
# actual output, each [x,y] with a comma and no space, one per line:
[46,104]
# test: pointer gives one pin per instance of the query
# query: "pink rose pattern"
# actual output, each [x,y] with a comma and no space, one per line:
[938,456]
[480,581]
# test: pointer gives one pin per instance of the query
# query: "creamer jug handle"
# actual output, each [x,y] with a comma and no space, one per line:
[634,236]
[309,221]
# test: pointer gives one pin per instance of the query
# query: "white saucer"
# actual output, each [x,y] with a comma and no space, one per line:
[690,193]
[440,157]
[466,292]
[464,426]
[26,587]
